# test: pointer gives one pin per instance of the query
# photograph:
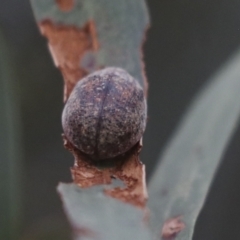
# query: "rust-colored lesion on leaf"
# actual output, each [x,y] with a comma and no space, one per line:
[172,227]
[126,168]
[65,5]
[68,45]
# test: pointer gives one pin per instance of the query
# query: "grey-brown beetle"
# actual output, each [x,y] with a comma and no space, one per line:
[105,115]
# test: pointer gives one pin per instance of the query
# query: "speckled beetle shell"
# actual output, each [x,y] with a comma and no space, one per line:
[105,114]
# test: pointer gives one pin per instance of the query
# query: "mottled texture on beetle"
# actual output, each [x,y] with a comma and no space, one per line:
[105,114]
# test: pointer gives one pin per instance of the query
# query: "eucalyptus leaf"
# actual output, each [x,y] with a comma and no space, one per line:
[186,169]
[10,149]
[120,28]
[93,215]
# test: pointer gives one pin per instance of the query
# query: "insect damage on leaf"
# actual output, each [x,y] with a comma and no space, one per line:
[68,45]
[127,168]
[172,227]
[65,5]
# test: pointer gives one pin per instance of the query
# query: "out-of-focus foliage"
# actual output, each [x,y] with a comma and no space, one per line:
[181,182]
[10,148]
[49,228]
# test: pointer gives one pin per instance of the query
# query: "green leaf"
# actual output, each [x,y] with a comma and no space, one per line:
[10,149]
[120,28]
[97,216]
[115,33]
[182,180]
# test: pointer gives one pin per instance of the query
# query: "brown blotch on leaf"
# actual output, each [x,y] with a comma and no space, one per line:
[172,227]
[65,5]
[68,45]
[132,173]
[127,168]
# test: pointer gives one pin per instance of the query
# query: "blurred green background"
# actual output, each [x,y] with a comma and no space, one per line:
[187,43]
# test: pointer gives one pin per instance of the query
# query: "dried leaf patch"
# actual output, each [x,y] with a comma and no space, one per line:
[68,45]
[65,5]
[127,168]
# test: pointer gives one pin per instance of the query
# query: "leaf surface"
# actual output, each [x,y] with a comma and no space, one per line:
[83,36]
[10,148]
[180,184]
[97,216]
[88,35]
